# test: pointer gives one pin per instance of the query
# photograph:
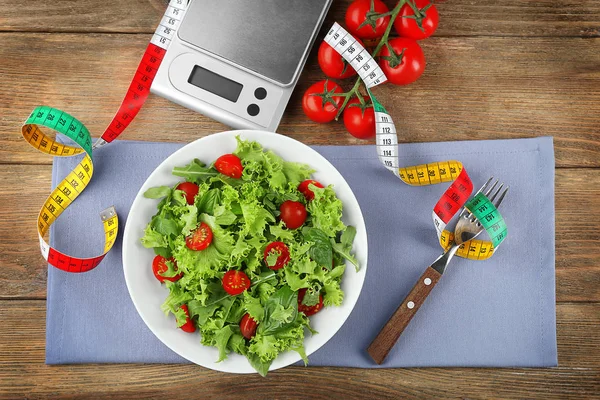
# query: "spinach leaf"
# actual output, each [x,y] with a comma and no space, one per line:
[344,246]
[157,192]
[321,250]
[281,311]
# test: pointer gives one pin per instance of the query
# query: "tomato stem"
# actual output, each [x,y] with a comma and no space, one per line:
[382,42]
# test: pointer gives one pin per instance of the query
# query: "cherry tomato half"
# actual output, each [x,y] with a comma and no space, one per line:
[235,282]
[189,325]
[407,68]
[199,239]
[359,12]
[230,165]
[190,189]
[333,64]
[309,310]
[408,27]
[159,267]
[248,326]
[359,121]
[319,103]
[282,252]
[293,214]
[303,188]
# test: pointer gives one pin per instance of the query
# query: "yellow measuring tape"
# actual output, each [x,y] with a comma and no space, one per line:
[455,197]
[67,191]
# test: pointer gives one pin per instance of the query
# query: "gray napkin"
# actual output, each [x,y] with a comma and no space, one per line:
[495,313]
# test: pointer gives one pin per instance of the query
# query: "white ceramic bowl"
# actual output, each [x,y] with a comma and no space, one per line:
[148,294]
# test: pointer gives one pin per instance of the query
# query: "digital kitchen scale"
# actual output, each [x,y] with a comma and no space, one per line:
[238,61]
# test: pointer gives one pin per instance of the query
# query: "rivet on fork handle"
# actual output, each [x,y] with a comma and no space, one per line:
[389,334]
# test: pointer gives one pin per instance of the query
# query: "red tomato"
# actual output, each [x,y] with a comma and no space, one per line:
[293,214]
[159,267]
[333,64]
[230,165]
[190,189]
[408,27]
[283,254]
[359,121]
[303,188]
[404,69]
[318,102]
[362,22]
[248,326]
[309,310]
[235,282]
[200,238]
[189,325]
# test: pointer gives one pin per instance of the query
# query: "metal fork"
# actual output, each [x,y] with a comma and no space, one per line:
[467,228]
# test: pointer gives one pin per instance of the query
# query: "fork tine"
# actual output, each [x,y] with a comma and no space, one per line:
[491,189]
[496,193]
[497,202]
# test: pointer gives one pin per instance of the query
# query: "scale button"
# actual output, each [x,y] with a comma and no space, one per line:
[260,93]
[253,110]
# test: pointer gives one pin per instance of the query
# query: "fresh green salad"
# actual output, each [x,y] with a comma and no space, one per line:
[249,248]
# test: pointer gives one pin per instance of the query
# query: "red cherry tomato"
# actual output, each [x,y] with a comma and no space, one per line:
[189,325]
[333,64]
[248,326]
[235,282]
[318,102]
[230,165]
[282,252]
[358,121]
[190,189]
[359,12]
[159,267]
[406,69]
[303,188]
[408,27]
[308,310]
[293,214]
[200,238]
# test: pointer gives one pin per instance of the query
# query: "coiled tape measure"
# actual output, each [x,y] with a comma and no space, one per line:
[387,149]
[67,191]
[455,197]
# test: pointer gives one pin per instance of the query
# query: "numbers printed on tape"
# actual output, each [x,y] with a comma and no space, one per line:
[77,180]
[455,197]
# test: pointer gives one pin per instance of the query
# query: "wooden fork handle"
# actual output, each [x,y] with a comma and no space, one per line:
[391,331]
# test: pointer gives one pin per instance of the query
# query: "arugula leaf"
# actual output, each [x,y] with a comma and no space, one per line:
[280,311]
[157,192]
[196,172]
[221,339]
[320,251]
[209,201]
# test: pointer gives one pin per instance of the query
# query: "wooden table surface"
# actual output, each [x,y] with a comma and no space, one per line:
[510,69]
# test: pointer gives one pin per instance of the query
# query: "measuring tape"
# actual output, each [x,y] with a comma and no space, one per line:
[455,197]
[77,180]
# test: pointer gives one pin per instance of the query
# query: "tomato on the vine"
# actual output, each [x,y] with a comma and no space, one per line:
[248,326]
[364,22]
[320,103]
[235,282]
[276,255]
[188,326]
[308,310]
[359,120]
[293,214]
[230,165]
[190,191]
[333,64]
[407,62]
[418,25]
[159,267]
[200,238]
[305,190]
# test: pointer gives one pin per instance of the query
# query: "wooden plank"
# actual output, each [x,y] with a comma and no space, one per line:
[472,89]
[457,18]
[22,372]
[23,272]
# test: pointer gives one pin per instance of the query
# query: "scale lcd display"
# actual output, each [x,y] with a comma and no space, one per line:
[215,83]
